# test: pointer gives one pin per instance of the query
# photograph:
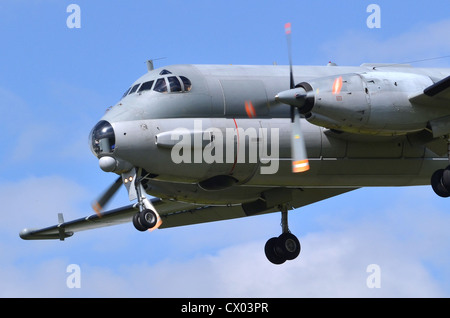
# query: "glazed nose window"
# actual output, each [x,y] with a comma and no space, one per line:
[102,138]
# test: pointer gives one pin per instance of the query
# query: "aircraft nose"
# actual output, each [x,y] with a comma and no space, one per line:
[102,139]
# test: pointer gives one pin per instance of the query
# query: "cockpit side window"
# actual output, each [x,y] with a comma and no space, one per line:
[175,85]
[146,86]
[187,83]
[160,86]
[134,89]
[126,92]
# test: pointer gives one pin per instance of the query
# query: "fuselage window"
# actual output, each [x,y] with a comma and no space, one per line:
[187,83]
[146,86]
[135,87]
[175,85]
[160,86]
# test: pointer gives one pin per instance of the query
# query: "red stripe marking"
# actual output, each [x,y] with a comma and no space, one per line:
[249,109]
[237,148]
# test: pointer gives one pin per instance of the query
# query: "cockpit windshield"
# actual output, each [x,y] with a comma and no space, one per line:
[175,85]
[167,83]
[146,86]
[160,85]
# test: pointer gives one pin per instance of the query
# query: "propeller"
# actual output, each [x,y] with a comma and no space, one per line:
[299,155]
[101,202]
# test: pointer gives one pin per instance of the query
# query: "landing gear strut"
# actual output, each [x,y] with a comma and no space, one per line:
[146,218]
[284,247]
[440,180]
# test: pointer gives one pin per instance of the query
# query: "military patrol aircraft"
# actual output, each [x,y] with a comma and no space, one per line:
[216,142]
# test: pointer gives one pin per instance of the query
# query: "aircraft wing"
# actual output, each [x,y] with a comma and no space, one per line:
[173,213]
[437,94]
[121,215]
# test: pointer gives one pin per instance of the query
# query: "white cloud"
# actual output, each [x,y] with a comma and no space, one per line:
[409,244]
[421,42]
[30,140]
[37,200]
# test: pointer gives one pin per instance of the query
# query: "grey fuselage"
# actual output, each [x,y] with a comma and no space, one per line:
[233,127]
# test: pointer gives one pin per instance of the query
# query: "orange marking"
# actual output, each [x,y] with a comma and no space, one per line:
[300,166]
[97,208]
[287,28]
[249,109]
[337,85]
[158,224]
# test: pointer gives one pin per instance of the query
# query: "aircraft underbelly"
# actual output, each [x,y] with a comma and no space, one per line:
[345,172]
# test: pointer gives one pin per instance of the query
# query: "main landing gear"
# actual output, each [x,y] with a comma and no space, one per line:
[440,180]
[284,247]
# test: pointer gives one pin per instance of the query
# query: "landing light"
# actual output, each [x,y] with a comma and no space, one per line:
[129,179]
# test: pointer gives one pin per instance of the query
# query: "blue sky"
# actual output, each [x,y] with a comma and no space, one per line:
[56,82]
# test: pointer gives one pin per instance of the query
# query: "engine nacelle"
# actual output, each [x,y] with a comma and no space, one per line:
[368,103]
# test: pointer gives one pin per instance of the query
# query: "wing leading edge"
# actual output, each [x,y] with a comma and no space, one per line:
[173,214]
[437,94]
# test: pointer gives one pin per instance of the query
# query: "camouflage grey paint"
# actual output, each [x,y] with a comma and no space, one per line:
[374,100]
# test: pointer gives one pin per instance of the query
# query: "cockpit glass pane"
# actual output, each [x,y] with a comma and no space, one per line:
[126,92]
[102,138]
[165,72]
[175,85]
[160,86]
[146,86]
[135,87]
[187,83]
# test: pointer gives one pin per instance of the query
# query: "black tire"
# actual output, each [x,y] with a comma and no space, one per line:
[437,184]
[273,251]
[137,223]
[289,245]
[446,178]
[147,218]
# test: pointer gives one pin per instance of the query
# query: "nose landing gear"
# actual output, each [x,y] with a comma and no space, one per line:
[147,218]
[284,247]
[144,220]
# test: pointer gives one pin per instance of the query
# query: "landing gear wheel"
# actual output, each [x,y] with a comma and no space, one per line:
[147,218]
[273,251]
[437,183]
[285,247]
[137,223]
[289,245]
[446,178]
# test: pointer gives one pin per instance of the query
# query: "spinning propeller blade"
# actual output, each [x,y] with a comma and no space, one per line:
[106,196]
[299,156]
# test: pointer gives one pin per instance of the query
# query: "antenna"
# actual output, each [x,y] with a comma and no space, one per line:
[150,66]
